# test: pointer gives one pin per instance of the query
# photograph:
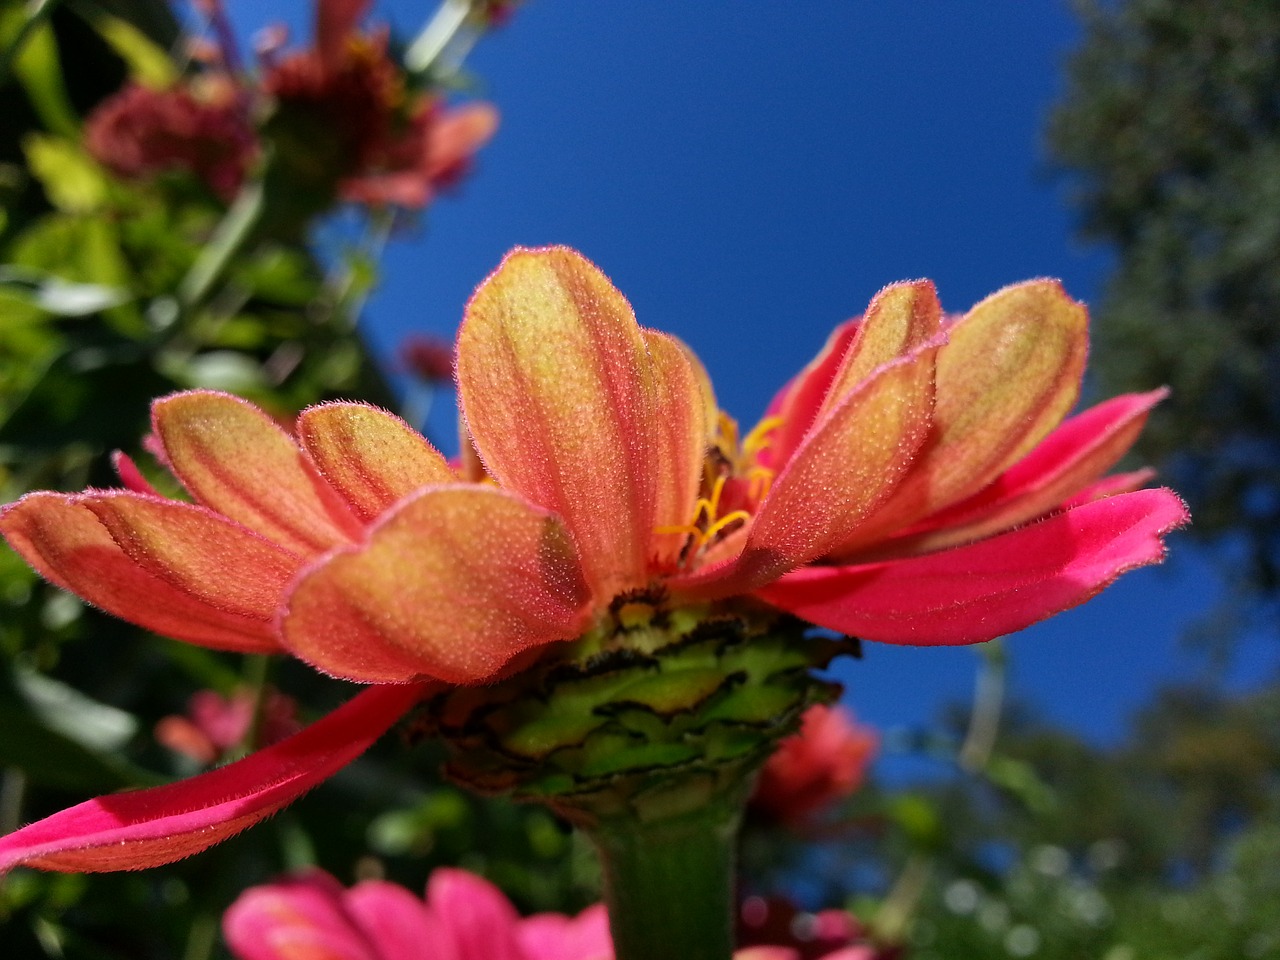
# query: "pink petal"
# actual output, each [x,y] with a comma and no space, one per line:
[297,918]
[553,936]
[396,922]
[371,457]
[992,587]
[63,538]
[336,21]
[797,403]
[452,584]
[145,828]
[479,920]
[554,378]
[1067,461]
[130,475]
[236,460]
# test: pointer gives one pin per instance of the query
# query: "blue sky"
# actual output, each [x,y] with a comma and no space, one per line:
[749,174]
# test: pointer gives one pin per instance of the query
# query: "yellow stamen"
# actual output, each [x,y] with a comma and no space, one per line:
[760,436]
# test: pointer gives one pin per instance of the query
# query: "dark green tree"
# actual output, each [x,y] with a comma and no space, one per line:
[1170,133]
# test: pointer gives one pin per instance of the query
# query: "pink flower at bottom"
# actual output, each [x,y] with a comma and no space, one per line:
[464,917]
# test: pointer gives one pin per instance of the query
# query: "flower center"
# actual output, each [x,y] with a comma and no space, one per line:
[733,483]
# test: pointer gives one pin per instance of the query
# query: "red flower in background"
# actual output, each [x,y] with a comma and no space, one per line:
[140,132]
[389,145]
[428,358]
[824,762]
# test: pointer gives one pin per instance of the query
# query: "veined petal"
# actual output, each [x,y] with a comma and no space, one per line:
[553,936]
[995,586]
[296,918]
[63,538]
[395,921]
[847,465]
[900,318]
[371,457]
[452,584]
[554,379]
[1008,375]
[684,419]
[477,918]
[1065,463]
[233,458]
[145,828]
[201,553]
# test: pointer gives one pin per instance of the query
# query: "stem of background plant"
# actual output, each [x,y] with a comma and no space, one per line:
[227,240]
[899,904]
[438,33]
[257,668]
[669,883]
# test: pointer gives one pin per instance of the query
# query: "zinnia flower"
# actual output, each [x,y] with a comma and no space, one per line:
[464,917]
[825,761]
[908,486]
[386,145]
[201,129]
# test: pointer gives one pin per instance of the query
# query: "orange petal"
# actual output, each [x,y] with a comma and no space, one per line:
[62,537]
[204,555]
[452,584]
[233,458]
[685,422]
[848,464]
[1008,375]
[554,379]
[371,457]
[900,318]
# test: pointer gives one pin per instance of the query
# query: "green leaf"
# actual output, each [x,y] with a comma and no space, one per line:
[37,65]
[72,180]
[148,63]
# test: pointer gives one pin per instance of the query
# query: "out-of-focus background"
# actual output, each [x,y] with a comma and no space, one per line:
[749,174]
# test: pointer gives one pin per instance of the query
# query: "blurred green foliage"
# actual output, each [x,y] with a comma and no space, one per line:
[1169,132]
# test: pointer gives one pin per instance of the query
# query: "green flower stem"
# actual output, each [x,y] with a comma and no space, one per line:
[669,883]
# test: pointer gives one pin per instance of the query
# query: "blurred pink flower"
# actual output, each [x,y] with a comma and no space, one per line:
[214,725]
[140,132]
[464,917]
[822,763]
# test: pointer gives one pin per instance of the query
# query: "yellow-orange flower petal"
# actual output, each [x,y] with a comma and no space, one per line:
[234,459]
[371,457]
[900,318]
[1007,376]
[554,379]
[65,541]
[492,576]
[202,554]
[684,418]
